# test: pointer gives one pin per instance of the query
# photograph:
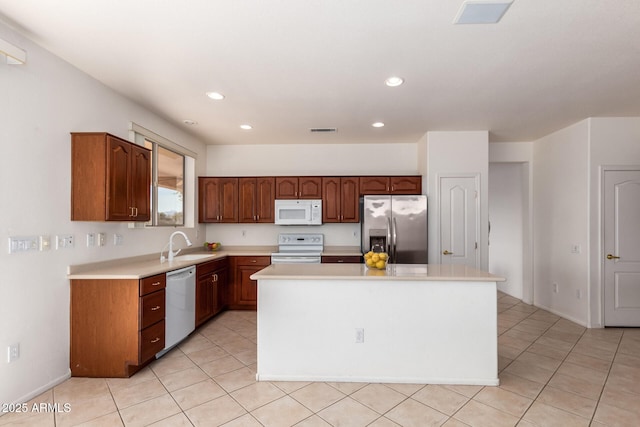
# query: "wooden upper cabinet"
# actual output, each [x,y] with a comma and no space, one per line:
[304,187]
[406,185]
[256,199]
[110,179]
[340,199]
[217,199]
[390,185]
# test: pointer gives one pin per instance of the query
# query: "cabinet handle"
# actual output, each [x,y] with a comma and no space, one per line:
[254,260]
[257,217]
[155,340]
[340,260]
[131,209]
[155,284]
[157,307]
[136,209]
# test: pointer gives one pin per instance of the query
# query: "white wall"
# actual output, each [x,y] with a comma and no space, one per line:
[506,215]
[614,142]
[519,156]
[41,102]
[457,152]
[561,214]
[300,160]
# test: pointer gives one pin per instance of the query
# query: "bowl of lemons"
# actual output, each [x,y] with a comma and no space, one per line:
[376,260]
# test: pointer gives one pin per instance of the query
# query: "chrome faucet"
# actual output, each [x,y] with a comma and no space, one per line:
[171,254]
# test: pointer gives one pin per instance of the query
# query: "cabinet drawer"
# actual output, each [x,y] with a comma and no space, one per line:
[151,341]
[210,266]
[352,259]
[153,283]
[152,308]
[253,260]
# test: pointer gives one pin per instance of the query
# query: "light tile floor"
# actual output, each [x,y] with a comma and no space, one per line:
[552,373]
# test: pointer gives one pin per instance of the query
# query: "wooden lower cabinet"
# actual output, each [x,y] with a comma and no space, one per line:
[245,290]
[350,259]
[211,289]
[117,325]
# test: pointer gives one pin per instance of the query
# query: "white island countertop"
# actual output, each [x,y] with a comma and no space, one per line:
[393,272]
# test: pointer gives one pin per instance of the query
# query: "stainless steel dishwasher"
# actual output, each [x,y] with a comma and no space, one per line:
[180,315]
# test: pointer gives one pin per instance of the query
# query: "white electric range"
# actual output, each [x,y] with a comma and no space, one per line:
[298,248]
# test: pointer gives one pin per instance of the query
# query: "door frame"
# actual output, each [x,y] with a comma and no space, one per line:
[596,312]
[476,176]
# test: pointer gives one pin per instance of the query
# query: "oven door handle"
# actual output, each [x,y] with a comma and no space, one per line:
[296,260]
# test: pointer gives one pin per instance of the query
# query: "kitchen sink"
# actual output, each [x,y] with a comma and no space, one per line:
[193,257]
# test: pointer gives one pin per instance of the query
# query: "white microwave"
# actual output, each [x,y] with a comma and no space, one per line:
[298,212]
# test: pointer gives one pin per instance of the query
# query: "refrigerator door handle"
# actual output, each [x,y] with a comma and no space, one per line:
[389,247]
[395,238]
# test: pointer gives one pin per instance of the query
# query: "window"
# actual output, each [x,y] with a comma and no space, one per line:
[167,185]
[172,179]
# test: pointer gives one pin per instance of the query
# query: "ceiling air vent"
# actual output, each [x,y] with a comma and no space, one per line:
[323,130]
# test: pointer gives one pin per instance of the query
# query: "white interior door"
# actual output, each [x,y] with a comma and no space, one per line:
[621,247]
[459,220]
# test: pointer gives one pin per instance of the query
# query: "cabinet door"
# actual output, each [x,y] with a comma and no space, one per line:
[406,185]
[247,199]
[229,199]
[248,288]
[287,187]
[265,196]
[208,199]
[310,187]
[220,288]
[141,184]
[349,199]
[204,298]
[374,185]
[331,199]
[118,180]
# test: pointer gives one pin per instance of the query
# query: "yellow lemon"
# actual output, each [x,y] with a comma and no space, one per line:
[370,262]
[380,264]
[369,254]
[375,257]
[383,256]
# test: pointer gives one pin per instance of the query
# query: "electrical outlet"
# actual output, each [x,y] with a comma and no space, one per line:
[117,239]
[102,237]
[576,249]
[91,239]
[555,288]
[13,352]
[64,241]
[359,335]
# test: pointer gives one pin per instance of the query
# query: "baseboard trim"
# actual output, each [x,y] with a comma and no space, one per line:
[37,392]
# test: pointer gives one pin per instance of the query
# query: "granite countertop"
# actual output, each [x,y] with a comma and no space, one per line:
[149,265]
[394,272]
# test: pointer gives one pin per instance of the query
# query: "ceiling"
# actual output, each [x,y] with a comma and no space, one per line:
[286,66]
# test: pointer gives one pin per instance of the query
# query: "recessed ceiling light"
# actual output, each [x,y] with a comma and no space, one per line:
[481,11]
[246,127]
[378,125]
[189,122]
[394,81]
[215,95]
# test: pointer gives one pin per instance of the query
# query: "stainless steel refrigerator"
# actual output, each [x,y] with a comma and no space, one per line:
[396,225]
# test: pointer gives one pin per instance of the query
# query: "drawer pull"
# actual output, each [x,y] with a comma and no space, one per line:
[157,307]
[155,340]
[254,260]
[155,284]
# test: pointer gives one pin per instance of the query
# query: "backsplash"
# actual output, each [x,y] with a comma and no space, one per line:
[267,234]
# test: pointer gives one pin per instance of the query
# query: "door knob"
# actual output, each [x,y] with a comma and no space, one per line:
[446,252]
[609,256]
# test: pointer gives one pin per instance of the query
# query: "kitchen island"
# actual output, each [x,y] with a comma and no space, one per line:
[433,324]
